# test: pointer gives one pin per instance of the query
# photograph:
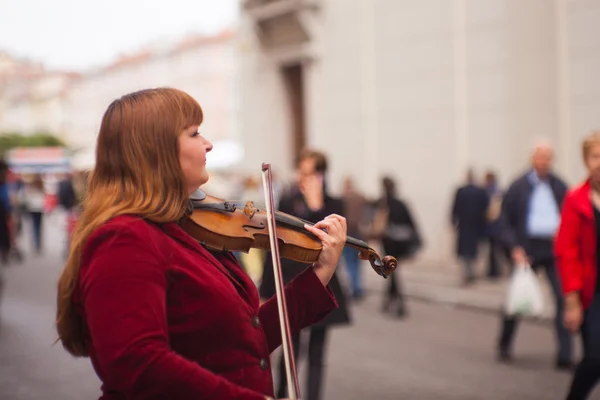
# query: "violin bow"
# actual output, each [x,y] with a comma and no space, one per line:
[284,323]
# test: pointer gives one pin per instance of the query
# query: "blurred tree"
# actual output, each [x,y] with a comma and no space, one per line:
[10,140]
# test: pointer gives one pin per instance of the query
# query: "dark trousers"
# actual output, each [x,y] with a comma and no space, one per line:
[468,269]
[36,222]
[587,374]
[498,253]
[393,297]
[316,353]
[541,254]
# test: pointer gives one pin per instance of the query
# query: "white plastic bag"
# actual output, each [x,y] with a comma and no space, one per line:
[524,293]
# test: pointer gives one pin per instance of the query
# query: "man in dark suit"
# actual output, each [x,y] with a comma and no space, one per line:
[310,201]
[528,222]
[468,216]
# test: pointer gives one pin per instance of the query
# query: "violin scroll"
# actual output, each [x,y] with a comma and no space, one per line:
[389,265]
[384,267]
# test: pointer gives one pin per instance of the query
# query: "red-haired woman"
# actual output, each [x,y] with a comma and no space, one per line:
[161,316]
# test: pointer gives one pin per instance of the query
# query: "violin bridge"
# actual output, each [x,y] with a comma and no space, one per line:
[250,209]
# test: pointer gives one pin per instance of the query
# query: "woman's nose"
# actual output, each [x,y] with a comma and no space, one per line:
[208,146]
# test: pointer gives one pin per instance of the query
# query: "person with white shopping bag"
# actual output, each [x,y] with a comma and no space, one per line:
[528,223]
[578,259]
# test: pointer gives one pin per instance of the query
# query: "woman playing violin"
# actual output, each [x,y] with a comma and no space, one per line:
[159,315]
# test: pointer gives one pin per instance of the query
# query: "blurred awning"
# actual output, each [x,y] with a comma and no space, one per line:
[31,160]
[40,169]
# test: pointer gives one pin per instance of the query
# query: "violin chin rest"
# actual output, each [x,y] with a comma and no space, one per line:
[198,195]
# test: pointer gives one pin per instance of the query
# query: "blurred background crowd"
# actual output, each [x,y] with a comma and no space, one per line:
[414,118]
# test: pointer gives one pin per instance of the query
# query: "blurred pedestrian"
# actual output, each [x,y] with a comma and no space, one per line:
[35,203]
[311,202]
[578,260]
[394,224]
[529,221]
[5,209]
[354,209]
[497,252]
[469,218]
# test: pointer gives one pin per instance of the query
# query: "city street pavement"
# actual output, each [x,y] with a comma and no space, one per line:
[442,283]
[438,352]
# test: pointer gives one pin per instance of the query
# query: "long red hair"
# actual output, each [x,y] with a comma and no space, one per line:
[137,172]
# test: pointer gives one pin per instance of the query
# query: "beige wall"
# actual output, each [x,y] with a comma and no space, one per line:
[263,121]
[582,73]
[421,90]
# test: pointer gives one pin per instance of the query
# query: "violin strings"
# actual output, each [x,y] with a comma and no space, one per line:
[293,221]
[278,213]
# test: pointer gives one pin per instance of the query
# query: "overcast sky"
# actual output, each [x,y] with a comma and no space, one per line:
[79,34]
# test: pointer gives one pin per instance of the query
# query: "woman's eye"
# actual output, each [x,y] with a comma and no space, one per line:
[195,134]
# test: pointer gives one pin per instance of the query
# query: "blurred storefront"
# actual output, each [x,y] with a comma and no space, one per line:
[39,160]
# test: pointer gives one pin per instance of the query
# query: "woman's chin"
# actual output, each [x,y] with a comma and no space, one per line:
[193,188]
[204,180]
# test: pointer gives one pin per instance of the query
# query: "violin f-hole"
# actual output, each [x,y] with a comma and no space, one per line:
[261,227]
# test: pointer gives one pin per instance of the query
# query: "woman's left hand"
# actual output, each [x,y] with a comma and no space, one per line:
[333,240]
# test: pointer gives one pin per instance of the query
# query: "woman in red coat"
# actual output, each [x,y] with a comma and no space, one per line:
[159,315]
[578,259]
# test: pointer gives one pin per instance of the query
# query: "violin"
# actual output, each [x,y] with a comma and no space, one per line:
[232,226]
[229,226]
